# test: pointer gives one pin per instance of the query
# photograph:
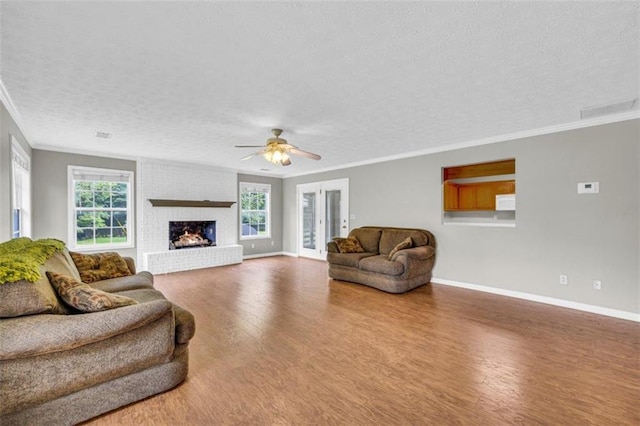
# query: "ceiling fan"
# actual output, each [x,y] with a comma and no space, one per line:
[277,150]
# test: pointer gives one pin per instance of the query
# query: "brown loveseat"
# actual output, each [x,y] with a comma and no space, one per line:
[409,265]
[60,367]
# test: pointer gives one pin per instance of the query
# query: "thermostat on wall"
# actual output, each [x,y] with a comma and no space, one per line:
[588,187]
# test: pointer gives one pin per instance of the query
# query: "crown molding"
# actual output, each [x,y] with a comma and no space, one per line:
[596,121]
[87,152]
[631,115]
[13,112]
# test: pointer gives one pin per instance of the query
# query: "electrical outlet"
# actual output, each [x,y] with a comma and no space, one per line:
[564,280]
[597,285]
[588,187]
[253,245]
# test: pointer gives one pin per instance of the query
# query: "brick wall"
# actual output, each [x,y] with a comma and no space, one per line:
[177,181]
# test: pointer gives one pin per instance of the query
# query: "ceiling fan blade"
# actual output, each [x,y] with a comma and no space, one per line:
[306,154]
[253,155]
[248,146]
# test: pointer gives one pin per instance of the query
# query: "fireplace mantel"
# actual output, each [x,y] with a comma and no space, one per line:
[190,203]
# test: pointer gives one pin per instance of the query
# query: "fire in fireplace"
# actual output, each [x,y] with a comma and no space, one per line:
[191,234]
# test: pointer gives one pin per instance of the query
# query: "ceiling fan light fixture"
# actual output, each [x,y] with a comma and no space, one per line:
[278,150]
[276,154]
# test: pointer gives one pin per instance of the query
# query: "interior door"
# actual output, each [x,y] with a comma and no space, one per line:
[323,214]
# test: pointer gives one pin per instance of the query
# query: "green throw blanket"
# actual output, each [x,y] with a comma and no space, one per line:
[21,258]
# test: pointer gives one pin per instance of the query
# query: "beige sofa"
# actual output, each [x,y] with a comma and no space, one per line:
[404,270]
[59,367]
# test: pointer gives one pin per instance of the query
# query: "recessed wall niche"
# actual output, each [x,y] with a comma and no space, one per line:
[482,194]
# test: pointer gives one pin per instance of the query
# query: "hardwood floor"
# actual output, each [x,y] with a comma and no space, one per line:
[278,343]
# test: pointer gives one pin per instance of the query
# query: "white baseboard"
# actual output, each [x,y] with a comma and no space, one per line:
[271,254]
[259,255]
[630,316]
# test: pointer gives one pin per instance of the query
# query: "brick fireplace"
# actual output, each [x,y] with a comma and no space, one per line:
[177,181]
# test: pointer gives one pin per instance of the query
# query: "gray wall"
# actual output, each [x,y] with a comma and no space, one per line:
[557,231]
[8,128]
[265,245]
[50,192]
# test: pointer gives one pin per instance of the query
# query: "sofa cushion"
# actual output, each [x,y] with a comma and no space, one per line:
[404,244]
[349,245]
[347,259]
[62,263]
[381,265]
[100,266]
[369,238]
[27,298]
[142,279]
[392,237]
[143,295]
[85,298]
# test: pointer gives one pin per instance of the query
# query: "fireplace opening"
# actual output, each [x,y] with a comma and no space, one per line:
[192,234]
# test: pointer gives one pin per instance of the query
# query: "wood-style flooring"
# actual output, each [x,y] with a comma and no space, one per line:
[278,343]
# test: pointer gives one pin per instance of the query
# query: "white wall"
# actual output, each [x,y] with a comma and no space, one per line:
[557,231]
[178,181]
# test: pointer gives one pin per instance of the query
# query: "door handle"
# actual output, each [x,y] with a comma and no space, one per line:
[344,227]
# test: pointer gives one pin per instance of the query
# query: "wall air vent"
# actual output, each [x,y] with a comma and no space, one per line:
[103,135]
[607,109]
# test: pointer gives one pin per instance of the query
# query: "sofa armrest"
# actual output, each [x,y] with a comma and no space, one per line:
[416,260]
[332,247]
[415,253]
[131,264]
[42,334]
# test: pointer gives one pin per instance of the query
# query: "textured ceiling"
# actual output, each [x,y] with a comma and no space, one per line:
[352,81]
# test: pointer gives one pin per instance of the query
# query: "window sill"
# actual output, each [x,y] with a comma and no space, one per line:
[485,224]
[101,248]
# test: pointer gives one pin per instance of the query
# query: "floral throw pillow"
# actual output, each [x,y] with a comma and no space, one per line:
[85,298]
[100,266]
[404,244]
[349,245]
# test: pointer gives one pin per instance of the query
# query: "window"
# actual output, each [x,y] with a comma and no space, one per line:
[255,210]
[101,208]
[20,192]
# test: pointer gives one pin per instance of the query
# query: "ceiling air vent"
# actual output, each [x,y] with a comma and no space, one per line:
[615,108]
[103,135]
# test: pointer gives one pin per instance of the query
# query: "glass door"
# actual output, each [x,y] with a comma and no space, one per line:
[323,211]
[309,220]
[333,219]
